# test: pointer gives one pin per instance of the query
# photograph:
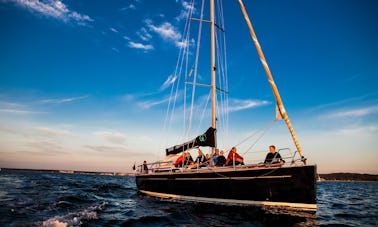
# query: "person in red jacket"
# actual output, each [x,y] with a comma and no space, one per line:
[233,156]
[180,160]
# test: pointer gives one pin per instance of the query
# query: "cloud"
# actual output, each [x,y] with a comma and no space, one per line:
[63,100]
[52,132]
[131,6]
[55,9]
[113,30]
[359,131]
[358,112]
[167,31]
[150,103]
[20,111]
[140,46]
[170,80]
[187,8]
[115,50]
[238,104]
[16,108]
[346,102]
[45,147]
[144,34]
[182,43]
[109,150]
[113,137]
[117,151]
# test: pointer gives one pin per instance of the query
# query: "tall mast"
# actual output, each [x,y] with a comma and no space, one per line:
[213,68]
[271,81]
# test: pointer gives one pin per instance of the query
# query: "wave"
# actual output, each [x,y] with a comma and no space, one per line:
[75,218]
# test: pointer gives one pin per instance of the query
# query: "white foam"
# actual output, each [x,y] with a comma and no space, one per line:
[54,223]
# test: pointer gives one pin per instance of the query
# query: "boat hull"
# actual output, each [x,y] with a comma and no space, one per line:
[275,185]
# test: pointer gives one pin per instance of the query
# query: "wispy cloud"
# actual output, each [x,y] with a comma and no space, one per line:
[186,8]
[131,6]
[52,132]
[143,34]
[55,9]
[115,50]
[113,137]
[345,102]
[140,46]
[359,131]
[16,108]
[18,111]
[238,104]
[150,103]
[109,150]
[170,80]
[357,112]
[44,148]
[113,30]
[167,31]
[63,100]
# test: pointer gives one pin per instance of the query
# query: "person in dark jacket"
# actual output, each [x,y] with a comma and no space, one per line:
[273,157]
[201,159]
[145,167]
[221,160]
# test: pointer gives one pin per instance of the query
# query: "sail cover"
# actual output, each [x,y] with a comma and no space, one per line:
[206,140]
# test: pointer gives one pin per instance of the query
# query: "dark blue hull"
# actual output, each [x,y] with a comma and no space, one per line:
[276,184]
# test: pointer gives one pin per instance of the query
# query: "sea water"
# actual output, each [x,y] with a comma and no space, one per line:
[29,198]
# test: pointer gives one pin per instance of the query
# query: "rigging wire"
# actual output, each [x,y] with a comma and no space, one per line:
[222,72]
[204,110]
[195,69]
[182,51]
[265,129]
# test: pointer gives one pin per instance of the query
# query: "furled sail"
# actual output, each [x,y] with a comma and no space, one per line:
[206,140]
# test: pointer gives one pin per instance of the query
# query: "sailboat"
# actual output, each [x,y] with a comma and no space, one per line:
[291,184]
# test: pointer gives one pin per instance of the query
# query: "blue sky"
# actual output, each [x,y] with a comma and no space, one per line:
[84,85]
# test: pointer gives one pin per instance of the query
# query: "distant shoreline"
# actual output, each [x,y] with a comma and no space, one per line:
[348,177]
[71,172]
[346,181]
[329,177]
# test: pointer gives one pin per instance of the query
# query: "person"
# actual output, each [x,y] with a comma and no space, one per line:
[180,160]
[215,156]
[221,160]
[207,163]
[273,157]
[201,159]
[233,156]
[145,167]
[134,167]
[188,158]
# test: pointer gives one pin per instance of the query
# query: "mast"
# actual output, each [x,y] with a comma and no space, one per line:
[213,77]
[271,81]
[213,67]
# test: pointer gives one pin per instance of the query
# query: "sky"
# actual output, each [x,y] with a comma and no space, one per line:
[85,85]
